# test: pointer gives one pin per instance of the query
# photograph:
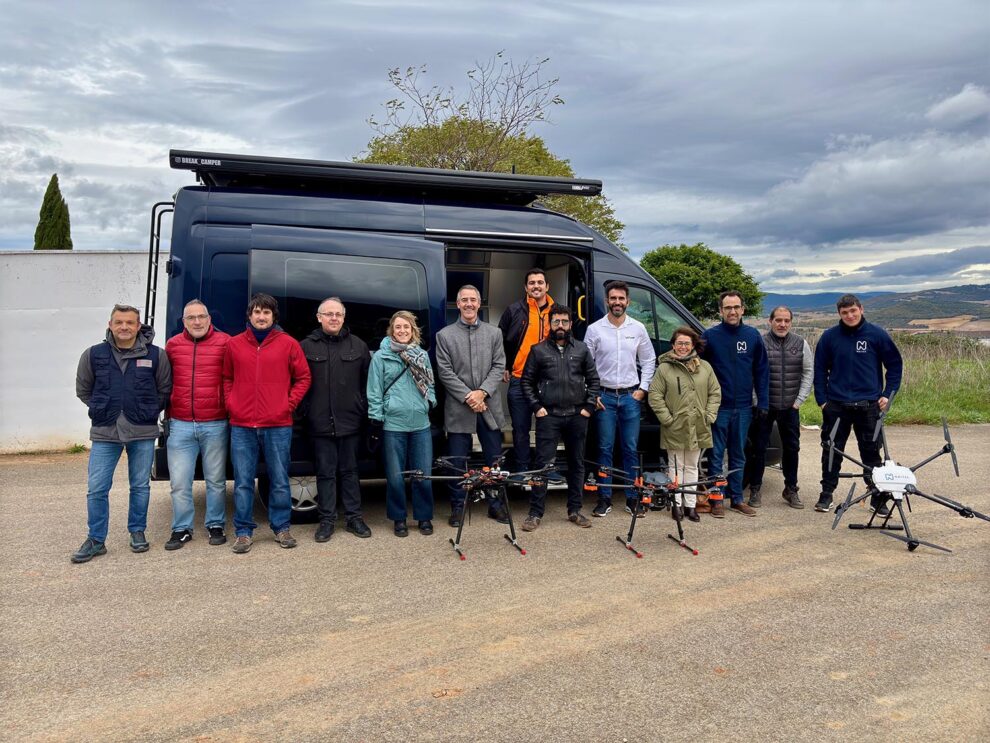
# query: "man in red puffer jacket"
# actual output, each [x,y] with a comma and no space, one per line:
[265,376]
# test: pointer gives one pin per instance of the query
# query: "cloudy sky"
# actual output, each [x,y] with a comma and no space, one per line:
[840,144]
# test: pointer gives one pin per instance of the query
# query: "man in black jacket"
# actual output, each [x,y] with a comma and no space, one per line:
[334,409]
[561,385]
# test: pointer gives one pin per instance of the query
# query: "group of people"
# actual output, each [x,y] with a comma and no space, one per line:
[242,394]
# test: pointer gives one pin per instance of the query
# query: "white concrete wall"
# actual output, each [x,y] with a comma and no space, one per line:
[54,304]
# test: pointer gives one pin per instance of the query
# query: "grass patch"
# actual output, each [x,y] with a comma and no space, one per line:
[80,448]
[944,375]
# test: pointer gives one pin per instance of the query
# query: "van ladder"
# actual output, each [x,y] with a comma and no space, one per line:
[154,250]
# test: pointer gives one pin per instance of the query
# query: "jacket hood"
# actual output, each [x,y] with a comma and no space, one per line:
[145,336]
[691,363]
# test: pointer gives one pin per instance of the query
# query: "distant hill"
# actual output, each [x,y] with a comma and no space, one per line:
[811,302]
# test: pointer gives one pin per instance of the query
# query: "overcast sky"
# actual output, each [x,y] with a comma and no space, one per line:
[824,145]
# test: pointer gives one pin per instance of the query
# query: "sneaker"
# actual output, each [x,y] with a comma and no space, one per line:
[531,523]
[138,542]
[324,531]
[824,504]
[425,527]
[401,529]
[178,539]
[718,509]
[518,480]
[358,528]
[604,507]
[743,508]
[285,539]
[217,536]
[878,504]
[580,519]
[755,498]
[456,517]
[555,478]
[791,496]
[498,513]
[89,549]
[242,545]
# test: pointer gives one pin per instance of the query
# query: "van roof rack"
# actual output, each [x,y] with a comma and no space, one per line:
[216,169]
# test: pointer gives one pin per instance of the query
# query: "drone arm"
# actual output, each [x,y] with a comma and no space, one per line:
[944,450]
[964,511]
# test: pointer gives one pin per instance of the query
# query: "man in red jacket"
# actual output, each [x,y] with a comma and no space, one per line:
[197,423]
[265,376]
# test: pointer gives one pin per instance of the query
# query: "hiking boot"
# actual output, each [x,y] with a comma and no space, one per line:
[242,545]
[285,539]
[580,519]
[531,523]
[178,539]
[358,528]
[824,504]
[692,514]
[791,496]
[718,509]
[498,513]
[89,549]
[217,536]
[456,517]
[138,542]
[603,507]
[324,531]
[743,508]
[425,527]
[755,499]
[401,528]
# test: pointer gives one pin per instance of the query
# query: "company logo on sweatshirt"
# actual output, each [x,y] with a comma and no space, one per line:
[740,346]
[861,346]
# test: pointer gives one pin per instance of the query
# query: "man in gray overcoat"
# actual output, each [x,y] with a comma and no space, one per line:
[470,362]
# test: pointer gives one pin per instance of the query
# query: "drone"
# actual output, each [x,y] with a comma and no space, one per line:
[484,483]
[655,491]
[895,482]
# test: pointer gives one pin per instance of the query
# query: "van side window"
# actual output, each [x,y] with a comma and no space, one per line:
[641,308]
[653,311]
[373,289]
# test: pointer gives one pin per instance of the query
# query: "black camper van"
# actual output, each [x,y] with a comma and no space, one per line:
[383,238]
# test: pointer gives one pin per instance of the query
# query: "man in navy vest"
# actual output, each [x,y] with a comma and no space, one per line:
[125,381]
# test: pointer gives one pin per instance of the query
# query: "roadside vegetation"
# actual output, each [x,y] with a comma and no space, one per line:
[944,375]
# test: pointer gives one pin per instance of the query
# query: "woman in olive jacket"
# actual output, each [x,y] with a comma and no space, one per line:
[685,395]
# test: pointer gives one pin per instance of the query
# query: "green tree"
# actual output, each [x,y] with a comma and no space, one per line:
[53,229]
[696,275]
[485,130]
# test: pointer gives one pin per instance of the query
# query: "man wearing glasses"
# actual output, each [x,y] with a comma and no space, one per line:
[560,383]
[739,358]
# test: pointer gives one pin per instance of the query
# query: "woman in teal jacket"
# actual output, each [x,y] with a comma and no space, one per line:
[400,394]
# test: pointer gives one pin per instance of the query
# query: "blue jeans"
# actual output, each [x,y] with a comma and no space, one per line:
[245,444]
[522,418]
[621,413]
[103,458]
[412,450]
[459,451]
[729,434]
[187,441]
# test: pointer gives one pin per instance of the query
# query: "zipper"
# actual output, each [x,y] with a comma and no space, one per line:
[192,382]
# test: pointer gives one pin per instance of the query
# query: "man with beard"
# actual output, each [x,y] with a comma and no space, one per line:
[560,383]
[625,361]
[852,388]
[125,382]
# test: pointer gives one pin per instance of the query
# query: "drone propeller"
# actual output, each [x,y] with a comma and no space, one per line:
[913,543]
[950,447]
[831,443]
[883,415]
[843,507]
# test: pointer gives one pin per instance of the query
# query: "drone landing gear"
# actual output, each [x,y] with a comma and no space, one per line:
[885,528]
[498,495]
[680,531]
[627,540]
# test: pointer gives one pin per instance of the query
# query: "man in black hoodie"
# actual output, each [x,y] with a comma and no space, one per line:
[334,409]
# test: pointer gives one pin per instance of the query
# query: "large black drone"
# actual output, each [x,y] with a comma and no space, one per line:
[485,483]
[895,483]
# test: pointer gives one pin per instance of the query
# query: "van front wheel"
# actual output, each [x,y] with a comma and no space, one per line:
[302,490]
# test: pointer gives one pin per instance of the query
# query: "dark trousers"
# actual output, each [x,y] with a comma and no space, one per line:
[459,451]
[550,429]
[337,470]
[861,418]
[522,416]
[789,428]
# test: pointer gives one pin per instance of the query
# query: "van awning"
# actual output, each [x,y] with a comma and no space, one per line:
[225,170]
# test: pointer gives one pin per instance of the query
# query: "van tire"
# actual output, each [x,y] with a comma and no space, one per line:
[303,509]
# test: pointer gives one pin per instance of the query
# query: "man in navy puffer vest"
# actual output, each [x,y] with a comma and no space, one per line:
[125,382]
[739,358]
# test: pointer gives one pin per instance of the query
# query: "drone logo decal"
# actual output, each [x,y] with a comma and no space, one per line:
[740,346]
[860,346]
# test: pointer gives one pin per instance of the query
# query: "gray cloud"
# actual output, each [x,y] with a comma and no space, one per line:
[970,104]
[931,265]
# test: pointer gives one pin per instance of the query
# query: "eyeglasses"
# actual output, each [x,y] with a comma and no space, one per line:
[559,322]
[330,314]
[731,307]
[684,343]
[196,318]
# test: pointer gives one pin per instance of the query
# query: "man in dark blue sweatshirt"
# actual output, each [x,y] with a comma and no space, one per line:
[852,387]
[739,358]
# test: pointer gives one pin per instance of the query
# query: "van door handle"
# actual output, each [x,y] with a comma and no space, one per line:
[580,311]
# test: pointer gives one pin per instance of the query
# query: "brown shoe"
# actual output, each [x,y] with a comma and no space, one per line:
[531,523]
[743,508]
[285,539]
[791,496]
[241,545]
[718,509]
[580,519]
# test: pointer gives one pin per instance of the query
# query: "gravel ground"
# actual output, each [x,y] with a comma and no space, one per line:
[781,629]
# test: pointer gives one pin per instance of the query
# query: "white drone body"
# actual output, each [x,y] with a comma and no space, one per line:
[893,478]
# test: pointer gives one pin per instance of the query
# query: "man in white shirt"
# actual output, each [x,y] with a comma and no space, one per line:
[625,360]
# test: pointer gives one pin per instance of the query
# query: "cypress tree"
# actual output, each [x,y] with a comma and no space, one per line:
[52,232]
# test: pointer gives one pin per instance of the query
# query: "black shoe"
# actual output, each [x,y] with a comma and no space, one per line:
[178,539]
[824,504]
[401,529]
[878,504]
[456,517]
[138,542]
[324,531]
[88,551]
[603,508]
[358,528]
[676,513]
[498,513]
[217,536]
[691,515]
[425,527]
